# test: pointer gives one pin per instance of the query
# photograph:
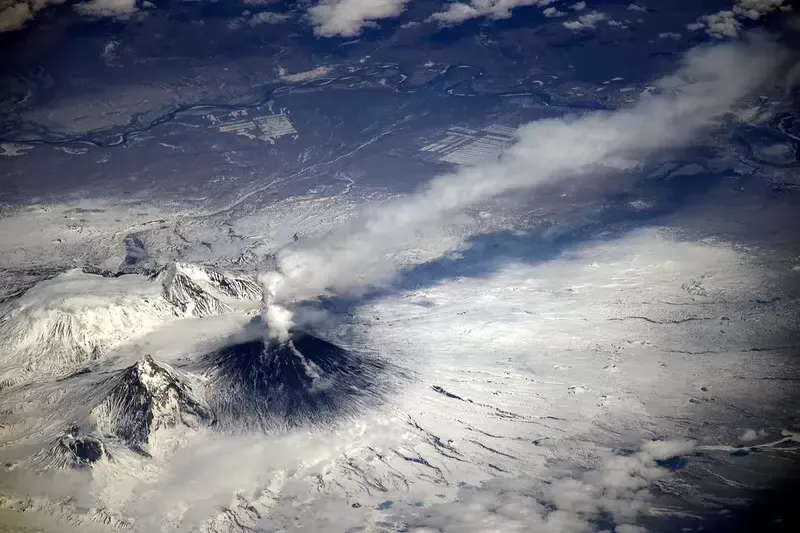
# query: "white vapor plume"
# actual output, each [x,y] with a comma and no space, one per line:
[708,84]
[277,317]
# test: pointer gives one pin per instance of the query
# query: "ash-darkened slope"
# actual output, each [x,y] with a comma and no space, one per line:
[272,385]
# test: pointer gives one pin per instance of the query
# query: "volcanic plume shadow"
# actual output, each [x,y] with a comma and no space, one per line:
[258,385]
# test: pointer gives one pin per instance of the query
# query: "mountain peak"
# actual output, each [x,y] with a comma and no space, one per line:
[146,366]
[146,397]
[203,290]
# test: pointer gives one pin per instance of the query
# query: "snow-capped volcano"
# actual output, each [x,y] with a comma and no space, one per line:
[144,398]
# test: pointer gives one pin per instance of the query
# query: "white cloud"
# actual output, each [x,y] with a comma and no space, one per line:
[458,12]
[551,12]
[618,489]
[749,435]
[118,9]
[346,18]
[723,24]
[14,17]
[755,9]
[669,35]
[578,6]
[661,450]
[588,21]
[268,17]
[636,7]
[204,473]
[728,22]
[15,14]
[707,85]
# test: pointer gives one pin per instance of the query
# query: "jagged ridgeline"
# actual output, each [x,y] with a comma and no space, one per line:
[203,291]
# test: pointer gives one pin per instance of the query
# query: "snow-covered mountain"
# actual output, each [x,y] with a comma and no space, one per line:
[75,317]
[78,316]
[199,291]
[144,398]
[117,418]
[248,386]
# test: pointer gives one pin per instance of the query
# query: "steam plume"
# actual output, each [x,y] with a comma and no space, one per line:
[708,83]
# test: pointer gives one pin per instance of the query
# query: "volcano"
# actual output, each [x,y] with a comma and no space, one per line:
[144,398]
[268,385]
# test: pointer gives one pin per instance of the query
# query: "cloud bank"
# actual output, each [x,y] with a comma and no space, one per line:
[708,84]
[347,18]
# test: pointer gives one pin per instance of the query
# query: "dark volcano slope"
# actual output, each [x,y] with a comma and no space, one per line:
[305,381]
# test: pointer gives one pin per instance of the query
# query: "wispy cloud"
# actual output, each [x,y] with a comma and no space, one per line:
[118,9]
[552,12]
[14,14]
[458,12]
[589,21]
